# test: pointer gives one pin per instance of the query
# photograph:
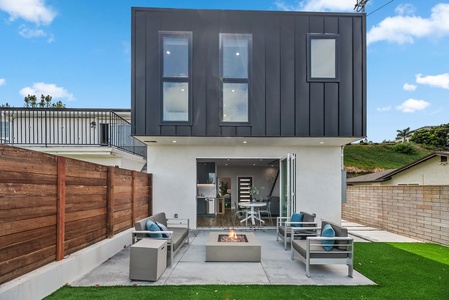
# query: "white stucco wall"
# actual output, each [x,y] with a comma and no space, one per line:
[429,172]
[174,176]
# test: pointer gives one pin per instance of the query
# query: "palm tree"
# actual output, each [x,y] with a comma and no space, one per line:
[403,134]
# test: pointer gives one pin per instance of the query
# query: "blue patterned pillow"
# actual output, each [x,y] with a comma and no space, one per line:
[327,231]
[151,226]
[162,227]
[296,217]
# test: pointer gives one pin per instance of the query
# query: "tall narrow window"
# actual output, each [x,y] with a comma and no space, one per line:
[235,59]
[322,57]
[176,52]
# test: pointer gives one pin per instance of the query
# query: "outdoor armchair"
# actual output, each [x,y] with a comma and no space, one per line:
[285,226]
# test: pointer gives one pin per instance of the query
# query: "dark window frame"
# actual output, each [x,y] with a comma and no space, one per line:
[323,36]
[224,80]
[176,79]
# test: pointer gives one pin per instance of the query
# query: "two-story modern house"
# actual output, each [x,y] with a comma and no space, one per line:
[283,88]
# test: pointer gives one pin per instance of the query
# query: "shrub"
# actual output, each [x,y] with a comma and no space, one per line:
[405,148]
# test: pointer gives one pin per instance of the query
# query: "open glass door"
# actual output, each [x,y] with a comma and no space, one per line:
[288,185]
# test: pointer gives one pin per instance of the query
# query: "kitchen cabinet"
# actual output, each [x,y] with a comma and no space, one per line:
[205,172]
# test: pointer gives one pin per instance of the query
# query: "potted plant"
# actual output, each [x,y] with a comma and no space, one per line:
[254,192]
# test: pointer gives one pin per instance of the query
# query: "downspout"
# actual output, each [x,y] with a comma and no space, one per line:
[343,176]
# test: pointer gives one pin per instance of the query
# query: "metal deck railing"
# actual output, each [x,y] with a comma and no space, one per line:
[69,127]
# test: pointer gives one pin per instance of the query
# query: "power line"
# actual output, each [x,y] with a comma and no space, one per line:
[379,8]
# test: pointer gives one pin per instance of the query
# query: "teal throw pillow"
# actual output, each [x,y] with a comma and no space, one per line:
[327,231]
[151,226]
[162,227]
[296,217]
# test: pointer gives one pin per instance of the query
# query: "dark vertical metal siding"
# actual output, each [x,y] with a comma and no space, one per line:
[302,88]
[282,102]
[272,79]
[346,95]
[287,76]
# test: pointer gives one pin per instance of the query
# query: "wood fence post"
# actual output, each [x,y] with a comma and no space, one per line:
[133,198]
[60,209]
[110,203]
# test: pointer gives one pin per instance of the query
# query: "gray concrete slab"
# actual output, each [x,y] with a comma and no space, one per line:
[371,234]
[190,268]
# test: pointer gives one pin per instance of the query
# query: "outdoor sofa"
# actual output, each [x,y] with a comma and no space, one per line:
[286,225]
[176,232]
[332,247]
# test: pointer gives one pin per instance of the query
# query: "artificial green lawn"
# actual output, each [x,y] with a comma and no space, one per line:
[400,270]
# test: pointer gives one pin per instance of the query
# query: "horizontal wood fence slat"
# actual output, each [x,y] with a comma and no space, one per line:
[51,207]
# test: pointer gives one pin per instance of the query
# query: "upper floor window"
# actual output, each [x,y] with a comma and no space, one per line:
[322,57]
[235,61]
[176,74]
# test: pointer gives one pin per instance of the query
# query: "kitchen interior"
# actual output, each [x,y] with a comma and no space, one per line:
[217,186]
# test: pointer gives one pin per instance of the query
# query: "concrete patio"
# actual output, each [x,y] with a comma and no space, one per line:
[276,266]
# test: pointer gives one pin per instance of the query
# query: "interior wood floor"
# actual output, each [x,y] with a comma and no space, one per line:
[225,220]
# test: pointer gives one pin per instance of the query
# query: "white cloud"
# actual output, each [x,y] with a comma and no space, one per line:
[35,11]
[412,105]
[405,9]
[440,81]
[51,89]
[2,81]
[318,5]
[406,27]
[409,87]
[383,109]
[35,33]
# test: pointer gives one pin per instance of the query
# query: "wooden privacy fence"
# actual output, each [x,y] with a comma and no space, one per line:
[52,206]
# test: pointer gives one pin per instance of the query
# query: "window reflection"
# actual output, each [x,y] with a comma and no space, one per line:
[176,101]
[322,58]
[235,102]
[176,56]
[234,68]
[235,57]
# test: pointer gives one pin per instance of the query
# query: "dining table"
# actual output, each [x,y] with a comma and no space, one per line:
[252,213]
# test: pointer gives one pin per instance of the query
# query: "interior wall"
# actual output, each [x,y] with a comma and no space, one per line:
[262,177]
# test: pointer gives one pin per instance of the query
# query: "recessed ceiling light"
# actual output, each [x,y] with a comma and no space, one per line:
[174,141]
[321,143]
[168,52]
[244,142]
[237,53]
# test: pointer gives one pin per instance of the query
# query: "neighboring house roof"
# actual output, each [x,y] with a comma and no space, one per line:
[369,177]
[387,174]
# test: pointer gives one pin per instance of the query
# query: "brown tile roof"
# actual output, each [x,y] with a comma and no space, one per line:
[369,177]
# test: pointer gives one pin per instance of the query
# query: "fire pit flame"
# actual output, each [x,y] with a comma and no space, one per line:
[232,237]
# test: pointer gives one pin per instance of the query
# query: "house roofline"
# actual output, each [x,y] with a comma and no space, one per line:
[388,175]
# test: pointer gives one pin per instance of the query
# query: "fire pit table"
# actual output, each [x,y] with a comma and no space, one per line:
[235,247]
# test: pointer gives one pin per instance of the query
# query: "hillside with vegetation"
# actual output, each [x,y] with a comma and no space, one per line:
[365,158]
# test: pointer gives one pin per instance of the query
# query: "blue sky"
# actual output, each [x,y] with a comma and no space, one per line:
[79,52]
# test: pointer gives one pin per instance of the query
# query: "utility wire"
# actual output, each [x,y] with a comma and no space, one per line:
[379,8]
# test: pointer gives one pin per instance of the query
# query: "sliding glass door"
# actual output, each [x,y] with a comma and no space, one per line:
[288,185]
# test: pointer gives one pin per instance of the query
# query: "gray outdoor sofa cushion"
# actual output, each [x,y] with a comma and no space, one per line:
[178,231]
[284,227]
[311,251]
